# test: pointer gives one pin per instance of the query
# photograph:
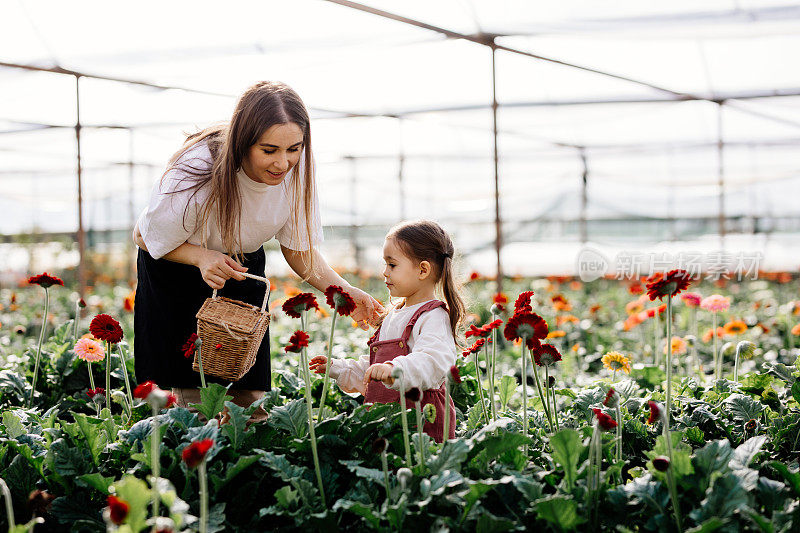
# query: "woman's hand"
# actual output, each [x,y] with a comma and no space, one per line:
[378,372]
[216,267]
[318,364]
[368,309]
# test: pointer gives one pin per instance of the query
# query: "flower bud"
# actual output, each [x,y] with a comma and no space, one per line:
[20,329]
[496,309]
[551,382]
[661,463]
[691,340]
[727,349]
[751,425]
[656,412]
[118,396]
[404,475]
[612,398]
[380,445]
[425,487]
[413,394]
[429,412]
[745,349]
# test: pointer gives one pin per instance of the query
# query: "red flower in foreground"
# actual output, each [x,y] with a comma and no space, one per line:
[604,421]
[455,374]
[669,284]
[171,400]
[297,304]
[194,453]
[339,300]
[528,325]
[143,390]
[661,463]
[546,355]
[189,346]
[473,331]
[297,341]
[45,280]
[523,302]
[105,328]
[117,509]
[612,398]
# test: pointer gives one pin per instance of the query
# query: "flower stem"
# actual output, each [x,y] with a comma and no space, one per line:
[446,432]
[385,465]
[420,423]
[525,395]
[75,324]
[716,356]
[91,377]
[155,459]
[619,432]
[200,367]
[310,409]
[736,367]
[12,525]
[201,474]
[123,365]
[491,378]
[328,368]
[39,347]
[669,358]
[404,419]
[555,408]
[480,387]
[673,492]
[546,386]
[539,388]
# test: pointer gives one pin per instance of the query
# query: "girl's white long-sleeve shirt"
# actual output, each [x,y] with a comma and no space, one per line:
[432,351]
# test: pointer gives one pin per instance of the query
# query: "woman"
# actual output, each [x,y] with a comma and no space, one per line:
[229,189]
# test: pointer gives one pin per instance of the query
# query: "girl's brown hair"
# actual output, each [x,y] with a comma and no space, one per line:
[425,240]
[262,106]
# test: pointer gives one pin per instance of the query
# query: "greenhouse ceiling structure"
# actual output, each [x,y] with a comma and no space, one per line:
[537,127]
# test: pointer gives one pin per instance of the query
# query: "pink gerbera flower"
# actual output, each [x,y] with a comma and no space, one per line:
[715,303]
[89,350]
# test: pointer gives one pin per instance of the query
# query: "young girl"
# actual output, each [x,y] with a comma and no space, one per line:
[417,336]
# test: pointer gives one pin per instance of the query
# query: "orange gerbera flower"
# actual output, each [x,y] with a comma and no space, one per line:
[556,333]
[563,319]
[634,307]
[795,330]
[560,303]
[678,346]
[735,327]
[709,334]
[129,301]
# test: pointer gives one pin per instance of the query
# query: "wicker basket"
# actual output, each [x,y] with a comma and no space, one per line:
[231,332]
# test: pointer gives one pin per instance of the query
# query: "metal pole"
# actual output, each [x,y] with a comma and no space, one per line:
[81,234]
[584,198]
[401,168]
[721,176]
[498,223]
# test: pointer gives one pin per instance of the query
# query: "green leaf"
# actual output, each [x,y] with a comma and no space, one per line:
[791,476]
[489,523]
[567,449]
[560,511]
[744,454]
[234,469]
[530,489]
[13,425]
[290,417]
[97,481]
[508,384]
[372,474]
[235,427]
[712,524]
[724,497]
[21,478]
[711,460]
[796,391]
[493,446]
[453,453]
[695,435]
[286,497]
[742,408]
[212,400]
[69,461]
[96,438]
[136,494]
[367,512]
[681,455]
[446,480]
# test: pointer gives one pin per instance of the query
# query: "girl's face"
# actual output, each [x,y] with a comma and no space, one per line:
[275,154]
[402,274]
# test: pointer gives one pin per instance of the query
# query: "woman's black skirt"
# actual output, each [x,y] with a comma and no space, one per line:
[168,296]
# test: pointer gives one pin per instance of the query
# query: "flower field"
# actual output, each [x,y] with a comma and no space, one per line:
[569,417]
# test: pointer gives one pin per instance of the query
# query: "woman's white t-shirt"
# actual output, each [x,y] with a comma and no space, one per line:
[266,211]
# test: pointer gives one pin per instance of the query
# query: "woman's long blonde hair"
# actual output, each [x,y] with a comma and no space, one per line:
[262,106]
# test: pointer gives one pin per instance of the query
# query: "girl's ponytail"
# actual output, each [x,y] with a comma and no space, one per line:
[452,297]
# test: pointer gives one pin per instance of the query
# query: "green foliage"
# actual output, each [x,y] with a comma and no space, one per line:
[212,400]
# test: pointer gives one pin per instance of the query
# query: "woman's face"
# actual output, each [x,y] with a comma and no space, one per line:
[275,153]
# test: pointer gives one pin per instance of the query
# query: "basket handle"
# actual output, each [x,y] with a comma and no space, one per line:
[260,278]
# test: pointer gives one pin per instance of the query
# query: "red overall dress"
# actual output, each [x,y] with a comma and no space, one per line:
[386,350]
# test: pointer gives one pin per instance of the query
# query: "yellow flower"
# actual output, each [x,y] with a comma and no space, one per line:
[678,346]
[616,361]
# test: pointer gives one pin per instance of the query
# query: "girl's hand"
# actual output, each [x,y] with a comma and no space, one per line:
[216,267]
[318,364]
[368,309]
[379,372]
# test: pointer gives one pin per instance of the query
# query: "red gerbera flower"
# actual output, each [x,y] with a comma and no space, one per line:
[655,412]
[635,288]
[189,346]
[652,311]
[455,374]
[143,390]
[45,280]
[413,394]
[612,398]
[474,275]
[523,302]
[105,328]
[94,392]
[660,285]
[473,331]
[494,324]
[546,355]
[117,509]
[500,298]
[528,325]
[297,341]
[302,302]
[339,300]
[194,453]
[475,348]
[171,400]
[604,421]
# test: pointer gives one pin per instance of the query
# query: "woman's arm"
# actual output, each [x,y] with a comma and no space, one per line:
[368,310]
[215,267]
